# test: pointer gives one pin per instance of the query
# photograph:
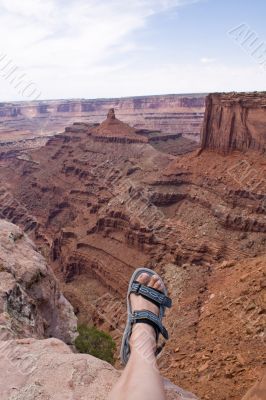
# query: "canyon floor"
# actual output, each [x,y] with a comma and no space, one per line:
[98,205]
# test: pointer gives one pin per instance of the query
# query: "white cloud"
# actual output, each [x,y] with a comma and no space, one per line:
[207,60]
[59,31]
[51,39]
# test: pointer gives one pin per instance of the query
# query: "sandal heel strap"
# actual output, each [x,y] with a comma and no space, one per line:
[150,318]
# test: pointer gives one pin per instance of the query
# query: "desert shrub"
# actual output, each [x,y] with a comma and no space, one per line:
[95,342]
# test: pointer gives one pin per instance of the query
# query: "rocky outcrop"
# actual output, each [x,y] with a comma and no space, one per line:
[234,121]
[13,148]
[114,130]
[31,304]
[48,370]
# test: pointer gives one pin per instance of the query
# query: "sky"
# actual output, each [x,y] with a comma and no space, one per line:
[57,49]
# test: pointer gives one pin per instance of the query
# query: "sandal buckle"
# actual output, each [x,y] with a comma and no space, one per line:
[138,286]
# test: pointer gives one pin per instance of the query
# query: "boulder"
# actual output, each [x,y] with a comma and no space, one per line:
[33,369]
[258,391]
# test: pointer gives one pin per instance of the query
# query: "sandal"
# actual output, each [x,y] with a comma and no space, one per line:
[144,316]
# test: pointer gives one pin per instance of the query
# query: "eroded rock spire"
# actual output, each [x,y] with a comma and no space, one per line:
[111,114]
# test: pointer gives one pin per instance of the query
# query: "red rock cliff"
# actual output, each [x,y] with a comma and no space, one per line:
[234,121]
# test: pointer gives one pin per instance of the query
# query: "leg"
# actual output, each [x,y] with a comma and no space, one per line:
[141,378]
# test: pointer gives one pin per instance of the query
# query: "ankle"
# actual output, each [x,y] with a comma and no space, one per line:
[143,340]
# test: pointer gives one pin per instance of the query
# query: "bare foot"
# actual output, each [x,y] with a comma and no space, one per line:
[143,335]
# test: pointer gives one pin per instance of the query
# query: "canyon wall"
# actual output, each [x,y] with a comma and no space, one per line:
[168,113]
[234,121]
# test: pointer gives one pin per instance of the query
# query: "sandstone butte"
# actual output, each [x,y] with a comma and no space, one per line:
[117,130]
[99,210]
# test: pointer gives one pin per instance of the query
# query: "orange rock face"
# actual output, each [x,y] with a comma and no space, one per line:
[235,121]
[31,304]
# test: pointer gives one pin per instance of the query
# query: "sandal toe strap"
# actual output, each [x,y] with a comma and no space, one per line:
[151,294]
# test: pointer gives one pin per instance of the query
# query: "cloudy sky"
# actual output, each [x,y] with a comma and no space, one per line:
[113,48]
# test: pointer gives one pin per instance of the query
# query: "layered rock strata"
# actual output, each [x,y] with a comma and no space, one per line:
[33,308]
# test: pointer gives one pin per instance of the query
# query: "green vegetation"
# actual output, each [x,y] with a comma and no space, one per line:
[97,343]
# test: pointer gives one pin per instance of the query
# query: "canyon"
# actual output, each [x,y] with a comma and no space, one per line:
[36,324]
[29,124]
[99,200]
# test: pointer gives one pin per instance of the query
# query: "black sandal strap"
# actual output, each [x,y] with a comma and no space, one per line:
[151,294]
[150,318]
